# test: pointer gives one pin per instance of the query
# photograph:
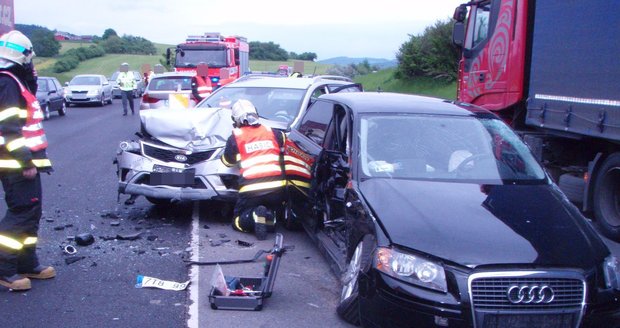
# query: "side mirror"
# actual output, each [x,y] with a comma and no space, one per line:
[460,13]
[458,34]
[66,83]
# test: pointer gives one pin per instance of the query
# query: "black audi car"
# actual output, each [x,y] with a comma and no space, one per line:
[436,214]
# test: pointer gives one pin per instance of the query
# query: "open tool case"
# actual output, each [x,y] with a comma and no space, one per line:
[262,286]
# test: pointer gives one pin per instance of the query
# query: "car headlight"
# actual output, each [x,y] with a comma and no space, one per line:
[411,268]
[612,272]
[129,146]
[92,93]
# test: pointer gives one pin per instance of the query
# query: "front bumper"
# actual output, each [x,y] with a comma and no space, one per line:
[83,99]
[387,302]
[212,180]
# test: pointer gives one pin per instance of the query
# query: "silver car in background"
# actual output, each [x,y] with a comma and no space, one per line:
[88,89]
[166,86]
[137,91]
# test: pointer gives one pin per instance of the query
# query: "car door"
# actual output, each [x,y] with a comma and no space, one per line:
[308,136]
[106,86]
[55,95]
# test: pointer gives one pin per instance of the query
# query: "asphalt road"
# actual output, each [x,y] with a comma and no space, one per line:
[98,288]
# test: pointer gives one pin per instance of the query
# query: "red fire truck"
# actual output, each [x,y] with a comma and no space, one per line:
[6,16]
[228,58]
[552,70]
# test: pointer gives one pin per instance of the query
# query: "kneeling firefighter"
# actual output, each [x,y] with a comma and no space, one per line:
[22,157]
[257,150]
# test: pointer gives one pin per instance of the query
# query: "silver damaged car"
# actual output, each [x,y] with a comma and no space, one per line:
[177,156]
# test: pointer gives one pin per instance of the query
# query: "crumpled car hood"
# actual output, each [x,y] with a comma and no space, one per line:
[195,129]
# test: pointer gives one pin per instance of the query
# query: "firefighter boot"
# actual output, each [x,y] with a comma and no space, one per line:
[28,265]
[15,283]
[260,222]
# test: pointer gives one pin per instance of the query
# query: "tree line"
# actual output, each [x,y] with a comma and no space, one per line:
[429,54]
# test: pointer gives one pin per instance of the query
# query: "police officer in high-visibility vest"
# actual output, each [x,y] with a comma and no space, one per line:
[256,149]
[127,83]
[22,158]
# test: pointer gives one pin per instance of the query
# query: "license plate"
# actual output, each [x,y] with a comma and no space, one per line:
[166,169]
[184,178]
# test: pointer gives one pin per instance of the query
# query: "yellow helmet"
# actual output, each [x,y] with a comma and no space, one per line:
[16,47]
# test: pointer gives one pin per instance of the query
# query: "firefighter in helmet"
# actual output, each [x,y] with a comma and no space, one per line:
[256,149]
[22,157]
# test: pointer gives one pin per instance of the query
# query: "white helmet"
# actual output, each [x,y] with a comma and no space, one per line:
[244,113]
[16,47]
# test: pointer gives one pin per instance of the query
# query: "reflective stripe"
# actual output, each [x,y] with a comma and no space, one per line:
[23,113]
[38,115]
[238,157]
[237,225]
[261,169]
[33,127]
[9,163]
[262,185]
[16,144]
[225,162]
[42,162]
[298,169]
[259,160]
[296,161]
[11,111]
[10,243]
[33,142]
[299,183]
[258,219]
[30,241]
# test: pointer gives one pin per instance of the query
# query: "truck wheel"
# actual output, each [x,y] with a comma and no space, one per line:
[607,197]
[359,263]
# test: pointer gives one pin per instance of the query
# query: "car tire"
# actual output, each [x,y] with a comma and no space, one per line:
[110,100]
[607,197]
[102,102]
[46,111]
[359,263]
[158,201]
[63,109]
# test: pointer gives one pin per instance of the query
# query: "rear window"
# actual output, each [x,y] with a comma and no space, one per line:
[172,83]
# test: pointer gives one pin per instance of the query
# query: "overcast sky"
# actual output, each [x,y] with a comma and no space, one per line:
[329,28]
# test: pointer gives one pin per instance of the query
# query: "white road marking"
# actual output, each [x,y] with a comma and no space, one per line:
[194,271]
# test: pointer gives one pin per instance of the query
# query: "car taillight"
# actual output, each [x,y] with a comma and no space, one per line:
[149,100]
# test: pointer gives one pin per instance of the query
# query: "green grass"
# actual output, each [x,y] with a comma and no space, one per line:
[108,64]
[385,80]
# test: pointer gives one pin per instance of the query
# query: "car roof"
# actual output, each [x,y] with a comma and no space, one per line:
[174,74]
[97,75]
[291,83]
[376,102]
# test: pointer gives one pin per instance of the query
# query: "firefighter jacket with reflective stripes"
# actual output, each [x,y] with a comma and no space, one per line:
[257,151]
[201,87]
[125,81]
[22,138]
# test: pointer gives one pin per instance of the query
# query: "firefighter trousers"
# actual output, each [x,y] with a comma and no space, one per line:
[20,225]
[243,219]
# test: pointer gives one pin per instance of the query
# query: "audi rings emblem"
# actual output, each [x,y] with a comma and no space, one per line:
[180,158]
[524,294]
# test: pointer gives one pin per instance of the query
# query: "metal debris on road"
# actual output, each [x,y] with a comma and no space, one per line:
[73,259]
[244,243]
[129,237]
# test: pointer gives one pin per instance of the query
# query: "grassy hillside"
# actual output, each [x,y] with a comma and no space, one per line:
[384,79]
[108,64]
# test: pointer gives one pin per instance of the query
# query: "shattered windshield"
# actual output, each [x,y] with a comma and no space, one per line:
[444,148]
[276,104]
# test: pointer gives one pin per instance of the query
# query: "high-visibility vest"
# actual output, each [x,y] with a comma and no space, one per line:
[259,159]
[201,87]
[33,134]
[126,81]
[297,165]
